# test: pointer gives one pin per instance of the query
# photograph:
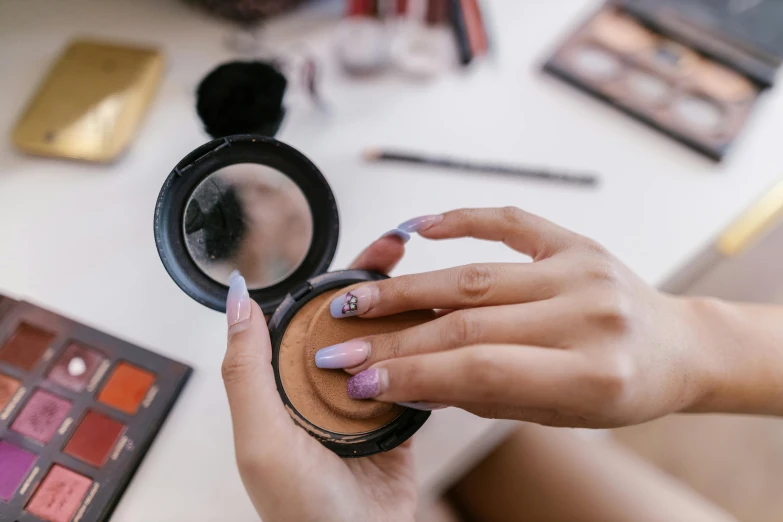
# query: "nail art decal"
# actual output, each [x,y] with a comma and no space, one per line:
[355,302]
[350,303]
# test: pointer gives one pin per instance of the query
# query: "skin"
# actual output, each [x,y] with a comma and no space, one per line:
[572,339]
[288,474]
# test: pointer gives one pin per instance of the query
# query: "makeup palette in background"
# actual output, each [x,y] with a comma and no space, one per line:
[693,69]
[78,411]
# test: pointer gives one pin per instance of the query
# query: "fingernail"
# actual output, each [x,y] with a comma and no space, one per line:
[420,224]
[355,302]
[423,406]
[368,384]
[238,300]
[401,234]
[343,355]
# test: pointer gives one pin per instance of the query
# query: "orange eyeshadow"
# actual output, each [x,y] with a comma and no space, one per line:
[126,388]
[8,386]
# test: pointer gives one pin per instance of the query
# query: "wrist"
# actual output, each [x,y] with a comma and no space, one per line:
[740,357]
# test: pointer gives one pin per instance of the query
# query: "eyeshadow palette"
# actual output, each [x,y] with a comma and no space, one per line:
[700,98]
[78,411]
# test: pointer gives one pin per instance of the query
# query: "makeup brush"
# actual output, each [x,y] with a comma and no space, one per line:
[585,179]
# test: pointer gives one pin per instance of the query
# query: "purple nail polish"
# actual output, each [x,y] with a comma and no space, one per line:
[355,302]
[401,234]
[368,384]
[343,355]
[420,224]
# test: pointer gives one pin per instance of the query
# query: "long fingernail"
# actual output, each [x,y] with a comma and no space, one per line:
[237,301]
[420,224]
[423,406]
[343,355]
[401,234]
[355,302]
[368,384]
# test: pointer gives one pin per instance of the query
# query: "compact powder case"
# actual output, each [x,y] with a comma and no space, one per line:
[254,204]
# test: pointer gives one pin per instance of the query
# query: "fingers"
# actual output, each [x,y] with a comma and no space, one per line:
[538,324]
[257,412]
[520,230]
[526,377]
[382,255]
[461,287]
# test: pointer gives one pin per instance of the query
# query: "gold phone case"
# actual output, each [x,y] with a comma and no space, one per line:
[91,102]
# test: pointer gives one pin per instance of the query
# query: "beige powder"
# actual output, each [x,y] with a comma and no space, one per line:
[306,386]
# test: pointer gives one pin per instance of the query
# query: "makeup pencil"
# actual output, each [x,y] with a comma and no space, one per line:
[459,26]
[585,179]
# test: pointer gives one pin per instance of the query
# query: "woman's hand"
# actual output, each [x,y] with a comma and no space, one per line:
[288,474]
[572,339]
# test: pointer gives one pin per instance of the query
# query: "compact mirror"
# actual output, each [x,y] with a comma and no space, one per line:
[247,203]
[251,218]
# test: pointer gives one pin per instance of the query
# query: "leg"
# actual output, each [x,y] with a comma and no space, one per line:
[557,475]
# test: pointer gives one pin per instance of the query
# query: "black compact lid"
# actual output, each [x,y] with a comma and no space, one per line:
[187,175]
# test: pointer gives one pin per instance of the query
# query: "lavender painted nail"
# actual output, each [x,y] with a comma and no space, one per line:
[238,300]
[368,384]
[420,224]
[343,355]
[355,302]
[423,406]
[401,234]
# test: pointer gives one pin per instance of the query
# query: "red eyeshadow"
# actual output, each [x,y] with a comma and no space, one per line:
[59,495]
[94,438]
[26,346]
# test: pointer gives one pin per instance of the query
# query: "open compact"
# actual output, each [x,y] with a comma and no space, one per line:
[256,205]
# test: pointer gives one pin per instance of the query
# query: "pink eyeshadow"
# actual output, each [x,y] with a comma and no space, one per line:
[59,495]
[41,416]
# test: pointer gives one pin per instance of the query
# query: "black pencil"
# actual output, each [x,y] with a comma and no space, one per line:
[587,179]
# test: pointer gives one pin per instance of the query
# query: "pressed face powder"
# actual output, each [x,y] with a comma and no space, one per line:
[723,83]
[621,33]
[321,395]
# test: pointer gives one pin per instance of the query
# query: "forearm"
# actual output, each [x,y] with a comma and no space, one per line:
[742,346]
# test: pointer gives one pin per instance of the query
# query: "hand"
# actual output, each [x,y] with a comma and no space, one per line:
[572,339]
[288,474]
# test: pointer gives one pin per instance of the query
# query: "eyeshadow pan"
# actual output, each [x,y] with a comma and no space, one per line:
[126,388]
[41,416]
[26,346]
[14,465]
[8,386]
[75,367]
[59,495]
[94,438]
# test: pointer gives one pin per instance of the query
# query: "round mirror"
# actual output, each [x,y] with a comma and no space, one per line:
[248,217]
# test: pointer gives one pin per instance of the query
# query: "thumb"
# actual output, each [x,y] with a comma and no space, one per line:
[257,412]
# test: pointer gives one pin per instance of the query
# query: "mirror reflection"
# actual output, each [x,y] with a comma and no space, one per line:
[251,218]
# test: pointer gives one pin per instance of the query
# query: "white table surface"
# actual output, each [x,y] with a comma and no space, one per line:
[77,238]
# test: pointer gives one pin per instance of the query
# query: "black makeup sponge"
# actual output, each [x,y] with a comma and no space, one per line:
[242,98]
